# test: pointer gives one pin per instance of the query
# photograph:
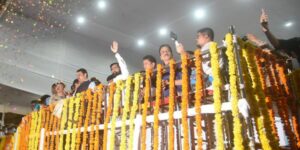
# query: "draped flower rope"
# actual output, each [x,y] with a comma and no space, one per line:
[237,126]
[184,100]
[217,94]
[145,108]
[157,103]
[137,80]
[117,100]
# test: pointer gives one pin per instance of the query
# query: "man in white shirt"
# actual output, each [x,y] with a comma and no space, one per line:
[119,70]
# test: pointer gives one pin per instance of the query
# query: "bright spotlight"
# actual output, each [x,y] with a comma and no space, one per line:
[288,24]
[163,31]
[102,4]
[80,20]
[141,42]
[199,14]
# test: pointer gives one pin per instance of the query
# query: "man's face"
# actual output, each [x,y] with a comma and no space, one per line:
[165,54]
[202,39]
[59,88]
[148,64]
[115,69]
[81,77]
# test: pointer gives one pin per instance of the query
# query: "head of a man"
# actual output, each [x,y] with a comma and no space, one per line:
[82,75]
[149,62]
[165,53]
[60,87]
[204,36]
[115,68]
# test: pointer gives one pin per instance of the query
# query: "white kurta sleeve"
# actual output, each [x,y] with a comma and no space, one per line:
[124,71]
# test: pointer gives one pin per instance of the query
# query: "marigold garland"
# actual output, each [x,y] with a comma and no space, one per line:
[80,121]
[26,124]
[47,119]
[198,96]
[125,112]
[27,133]
[282,103]
[217,94]
[269,97]
[19,132]
[281,67]
[17,137]
[137,79]
[99,110]
[184,100]
[75,119]
[157,103]
[259,124]
[87,118]
[295,77]
[237,126]
[108,113]
[295,86]
[41,116]
[52,136]
[44,117]
[117,100]
[37,129]
[51,108]
[63,124]
[69,123]
[32,130]
[260,98]
[145,106]
[94,107]
[171,104]
[57,136]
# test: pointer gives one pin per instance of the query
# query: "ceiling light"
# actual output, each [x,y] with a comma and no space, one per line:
[80,20]
[163,31]
[288,24]
[141,42]
[52,76]
[102,4]
[199,13]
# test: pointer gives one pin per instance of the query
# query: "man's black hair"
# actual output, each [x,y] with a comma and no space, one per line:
[115,63]
[165,45]
[150,58]
[82,70]
[208,31]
